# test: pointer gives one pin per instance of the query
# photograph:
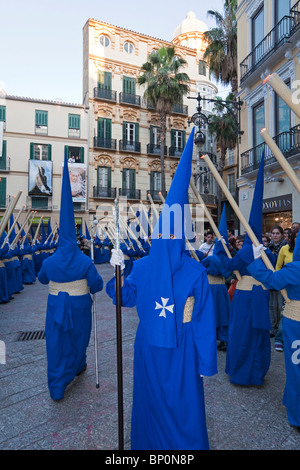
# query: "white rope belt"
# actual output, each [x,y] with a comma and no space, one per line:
[2,265]
[292,310]
[188,309]
[27,256]
[72,288]
[215,279]
[126,257]
[11,259]
[247,282]
[106,247]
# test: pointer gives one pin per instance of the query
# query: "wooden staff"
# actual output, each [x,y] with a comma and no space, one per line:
[191,249]
[24,223]
[241,217]
[132,234]
[123,240]
[53,232]
[12,227]
[126,229]
[37,230]
[147,217]
[280,158]
[153,205]
[8,212]
[29,226]
[142,229]
[283,91]
[212,224]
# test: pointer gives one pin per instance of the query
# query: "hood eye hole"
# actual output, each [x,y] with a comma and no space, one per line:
[172,236]
[159,235]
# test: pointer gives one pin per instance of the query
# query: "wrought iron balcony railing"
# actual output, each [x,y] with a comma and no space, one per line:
[180,109]
[288,142]
[101,192]
[153,149]
[279,35]
[129,146]
[130,193]
[129,98]
[175,151]
[154,193]
[101,143]
[104,94]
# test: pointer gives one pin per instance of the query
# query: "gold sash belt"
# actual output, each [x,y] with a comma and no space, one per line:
[27,256]
[126,257]
[292,310]
[2,265]
[72,288]
[215,279]
[11,259]
[188,309]
[106,247]
[247,282]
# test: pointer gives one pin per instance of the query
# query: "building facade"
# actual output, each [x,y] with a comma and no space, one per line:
[35,137]
[268,42]
[124,134]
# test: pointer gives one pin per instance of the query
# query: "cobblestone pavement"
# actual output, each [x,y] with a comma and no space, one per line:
[238,418]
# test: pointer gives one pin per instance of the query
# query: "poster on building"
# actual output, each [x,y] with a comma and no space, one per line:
[40,178]
[78,180]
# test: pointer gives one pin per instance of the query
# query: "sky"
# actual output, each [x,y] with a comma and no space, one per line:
[41,41]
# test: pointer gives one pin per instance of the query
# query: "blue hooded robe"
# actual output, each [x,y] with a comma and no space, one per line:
[216,279]
[248,348]
[287,278]
[68,318]
[173,349]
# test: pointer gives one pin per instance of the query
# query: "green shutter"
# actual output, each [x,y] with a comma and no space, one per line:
[3,192]
[39,202]
[31,150]
[74,121]
[49,151]
[104,128]
[173,138]
[152,181]
[82,154]
[136,132]
[151,135]
[132,179]
[66,152]
[41,118]
[183,138]
[124,178]
[3,157]
[129,85]
[109,177]
[104,80]
[124,131]
[3,113]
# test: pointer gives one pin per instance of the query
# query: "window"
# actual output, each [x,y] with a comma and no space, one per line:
[130,132]
[202,67]
[3,115]
[104,40]
[282,8]
[258,123]
[257,36]
[282,114]
[103,177]
[41,122]
[129,85]
[231,183]
[40,151]
[155,181]
[104,80]
[2,193]
[128,179]
[74,154]
[39,202]
[74,125]
[177,139]
[104,129]
[128,47]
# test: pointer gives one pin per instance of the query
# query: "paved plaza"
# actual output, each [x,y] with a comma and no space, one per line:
[238,418]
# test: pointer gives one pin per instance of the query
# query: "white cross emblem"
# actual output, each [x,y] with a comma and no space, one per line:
[164,307]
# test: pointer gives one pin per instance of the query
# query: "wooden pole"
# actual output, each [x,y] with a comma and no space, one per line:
[12,227]
[37,230]
[280,158]
[9,211]
[283,91]
[24,223]
[212,224]
[142,229]
[240,216]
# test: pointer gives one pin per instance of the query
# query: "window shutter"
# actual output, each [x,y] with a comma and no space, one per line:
[2,113]
[3,157]
[31,150]
[151,135]
[41,118]
[129,85]
[124,178]
[183,138]
[3,192]
[136,132]
[49,151]
[172,138]
[152,181]
[109,177]
[132,179]
[124,131]
[82,154]
[66,151]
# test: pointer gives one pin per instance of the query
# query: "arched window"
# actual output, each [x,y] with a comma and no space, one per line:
[128,47]
[104,40]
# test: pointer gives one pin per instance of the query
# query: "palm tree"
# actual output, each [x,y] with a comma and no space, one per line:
[166,86]
[221,51]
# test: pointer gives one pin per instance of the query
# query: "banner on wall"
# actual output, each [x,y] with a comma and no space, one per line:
[40,178]
[78,180]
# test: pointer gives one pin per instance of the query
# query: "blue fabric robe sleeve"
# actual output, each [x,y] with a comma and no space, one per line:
[129,291]
[204,328]
[277,280]
[94,280]
[42,276]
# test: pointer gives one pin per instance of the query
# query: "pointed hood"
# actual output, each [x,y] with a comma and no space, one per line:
[223,232]
[296,252]
[87,233]
[166,257]
[67,231]
[255,218]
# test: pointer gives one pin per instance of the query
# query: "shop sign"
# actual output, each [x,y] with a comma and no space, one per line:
[278,204]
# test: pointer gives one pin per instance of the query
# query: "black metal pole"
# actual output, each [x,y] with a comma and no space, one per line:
[119,357]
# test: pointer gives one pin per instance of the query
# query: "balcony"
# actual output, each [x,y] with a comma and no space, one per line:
[154,193]
[128,98]
[153,149]
[104,94]
[129,146]
[180,109]
[39,203]
[175,151]
[271,49]
[130,193]
[104,193]
[101,143]
[288,142]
